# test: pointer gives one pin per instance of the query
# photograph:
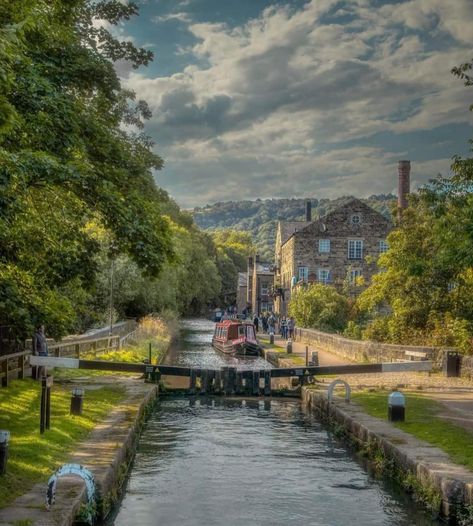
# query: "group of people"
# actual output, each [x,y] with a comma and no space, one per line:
[270,325]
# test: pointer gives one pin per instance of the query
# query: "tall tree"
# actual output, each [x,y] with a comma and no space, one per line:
[67,156]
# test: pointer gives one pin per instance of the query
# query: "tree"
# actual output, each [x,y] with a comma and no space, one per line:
[426,282]
[319,306]
[66,158]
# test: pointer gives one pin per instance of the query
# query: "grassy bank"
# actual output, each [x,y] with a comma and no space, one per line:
[423,422]
[152,331]
[34,457]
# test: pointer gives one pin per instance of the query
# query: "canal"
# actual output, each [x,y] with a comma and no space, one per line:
[239,462]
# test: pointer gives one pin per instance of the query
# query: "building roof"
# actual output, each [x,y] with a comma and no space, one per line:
[288,228]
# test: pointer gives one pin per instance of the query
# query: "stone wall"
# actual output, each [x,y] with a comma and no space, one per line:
[361,351]
[431,467]
[467,367]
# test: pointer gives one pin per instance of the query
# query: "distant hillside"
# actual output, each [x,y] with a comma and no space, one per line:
[260,217]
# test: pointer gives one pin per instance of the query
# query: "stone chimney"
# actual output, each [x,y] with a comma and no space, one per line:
[404,184]
[250,264]
[308,211]
[257,258]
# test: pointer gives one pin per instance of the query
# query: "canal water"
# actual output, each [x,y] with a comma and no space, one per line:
[238,462]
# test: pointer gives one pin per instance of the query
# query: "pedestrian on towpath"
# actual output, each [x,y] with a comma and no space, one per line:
[290,327]
[40,348]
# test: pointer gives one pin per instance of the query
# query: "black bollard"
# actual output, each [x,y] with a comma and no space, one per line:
[4,439]
[77,400]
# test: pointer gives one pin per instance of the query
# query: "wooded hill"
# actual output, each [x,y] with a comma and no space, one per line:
[260,217]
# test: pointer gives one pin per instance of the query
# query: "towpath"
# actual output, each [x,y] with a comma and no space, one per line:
[455,394]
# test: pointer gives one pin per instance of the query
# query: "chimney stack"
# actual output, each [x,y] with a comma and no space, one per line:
[404,185]
[257,258]
[250,263]
[308,211]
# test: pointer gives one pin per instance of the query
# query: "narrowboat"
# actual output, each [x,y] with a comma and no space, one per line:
[236,337]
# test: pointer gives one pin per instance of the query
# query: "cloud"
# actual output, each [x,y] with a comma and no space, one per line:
[181,17]
[267,106]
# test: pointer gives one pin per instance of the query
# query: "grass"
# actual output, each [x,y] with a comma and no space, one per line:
[423,422]
[34,457]
[152,331]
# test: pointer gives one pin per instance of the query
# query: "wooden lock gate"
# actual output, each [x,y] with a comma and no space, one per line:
[229,380]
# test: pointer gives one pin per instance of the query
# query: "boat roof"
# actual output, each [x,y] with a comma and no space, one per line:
[225,323]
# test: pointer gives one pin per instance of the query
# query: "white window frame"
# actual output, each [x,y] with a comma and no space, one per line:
[324,246]
[323,275]
[264,290]
[355,249]
[383,246]
[304,275]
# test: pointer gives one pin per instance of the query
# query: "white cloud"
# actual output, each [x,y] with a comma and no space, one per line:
[181,17]
[274,99]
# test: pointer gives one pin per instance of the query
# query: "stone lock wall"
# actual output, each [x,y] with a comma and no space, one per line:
[364,351]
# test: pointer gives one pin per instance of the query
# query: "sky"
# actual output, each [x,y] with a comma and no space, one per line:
[260,99]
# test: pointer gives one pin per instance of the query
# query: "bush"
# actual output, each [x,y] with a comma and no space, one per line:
[353,330]
[319,306]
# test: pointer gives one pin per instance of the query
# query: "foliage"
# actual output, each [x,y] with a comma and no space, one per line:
[425,287]
[232,250]
[319,306]
[66,158]
[34,457]
[353,330]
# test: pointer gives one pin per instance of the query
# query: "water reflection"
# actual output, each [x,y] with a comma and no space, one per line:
[194,349]
[215,461]
[238,462]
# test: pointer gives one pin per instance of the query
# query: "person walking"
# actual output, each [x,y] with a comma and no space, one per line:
[264,323]
[256,323]
[284,328]
[40,348]
[271,324]
[290,327]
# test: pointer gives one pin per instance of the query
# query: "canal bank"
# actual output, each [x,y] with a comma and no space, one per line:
[106,453]
[422,469]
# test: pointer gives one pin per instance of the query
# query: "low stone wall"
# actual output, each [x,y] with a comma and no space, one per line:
[467,367]
[364,351]
[435,474]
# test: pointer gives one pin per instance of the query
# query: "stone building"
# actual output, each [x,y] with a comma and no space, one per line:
[259,286]
[339,249]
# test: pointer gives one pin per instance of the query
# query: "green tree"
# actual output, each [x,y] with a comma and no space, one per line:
[423,294]
[66,158]
[319,306]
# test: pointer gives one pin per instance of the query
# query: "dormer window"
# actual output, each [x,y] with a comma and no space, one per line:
[355,219]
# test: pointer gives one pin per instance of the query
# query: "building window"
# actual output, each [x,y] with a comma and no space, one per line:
[324,245]
[264,290]
[355,219]
[383,246]
[355,249]
[323,275]
[303,273]
[353,275]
